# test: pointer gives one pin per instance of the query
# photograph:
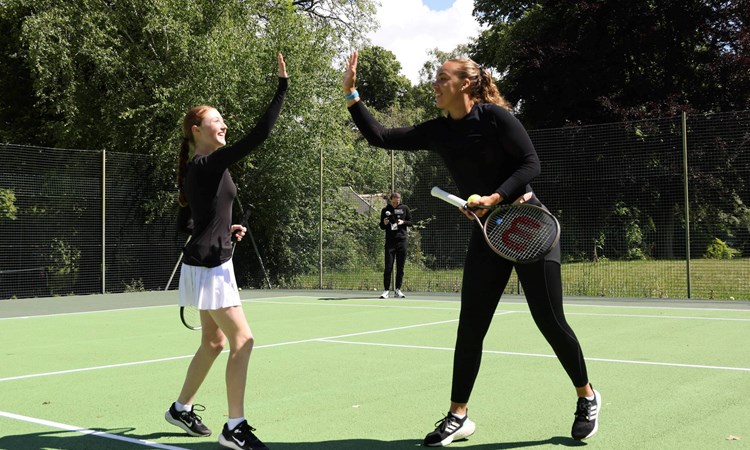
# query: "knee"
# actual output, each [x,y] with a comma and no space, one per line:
[214,346]
[244,343]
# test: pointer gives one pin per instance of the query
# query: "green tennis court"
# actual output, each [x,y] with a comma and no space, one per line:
[343,370]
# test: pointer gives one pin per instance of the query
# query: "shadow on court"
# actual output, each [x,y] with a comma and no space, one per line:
[72,441]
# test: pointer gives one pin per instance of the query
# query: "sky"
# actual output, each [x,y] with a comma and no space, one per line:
[409,28]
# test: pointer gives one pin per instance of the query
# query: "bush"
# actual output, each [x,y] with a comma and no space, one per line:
[719,249]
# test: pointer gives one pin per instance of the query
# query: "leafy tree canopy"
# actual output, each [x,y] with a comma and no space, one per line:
[593,61]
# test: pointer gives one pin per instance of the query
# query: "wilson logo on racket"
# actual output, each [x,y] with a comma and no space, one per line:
[520,229]
[520,233]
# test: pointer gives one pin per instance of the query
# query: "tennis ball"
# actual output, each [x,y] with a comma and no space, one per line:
[474,198]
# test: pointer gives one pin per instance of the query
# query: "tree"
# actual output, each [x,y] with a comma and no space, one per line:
[119,75]
[586,61]
[379,78]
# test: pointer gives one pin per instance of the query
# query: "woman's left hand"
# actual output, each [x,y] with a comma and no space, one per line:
[282,66]
[238,231]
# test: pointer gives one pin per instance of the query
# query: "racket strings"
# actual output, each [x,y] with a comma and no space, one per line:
[521,233]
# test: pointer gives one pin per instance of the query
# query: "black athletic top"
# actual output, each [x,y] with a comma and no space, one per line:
[486,151]
[393,231]
[210,191]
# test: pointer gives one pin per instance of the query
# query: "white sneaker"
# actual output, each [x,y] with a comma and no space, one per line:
[384,294]
[399,294]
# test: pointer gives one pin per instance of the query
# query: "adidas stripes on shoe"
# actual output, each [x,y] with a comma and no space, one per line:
[586,422]
[449,429]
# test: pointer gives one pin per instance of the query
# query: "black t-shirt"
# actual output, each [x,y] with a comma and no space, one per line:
[210,191]
[393,231]
[486,151]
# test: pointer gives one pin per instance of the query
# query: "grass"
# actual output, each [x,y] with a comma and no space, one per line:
[713,279]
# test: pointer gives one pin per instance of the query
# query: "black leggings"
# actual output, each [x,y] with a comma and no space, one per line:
[397,250]
[485,277]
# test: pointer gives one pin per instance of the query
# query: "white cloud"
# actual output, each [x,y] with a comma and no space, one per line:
[408,28]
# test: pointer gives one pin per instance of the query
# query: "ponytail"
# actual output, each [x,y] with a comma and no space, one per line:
[181,169]
[193,117]
[483,89]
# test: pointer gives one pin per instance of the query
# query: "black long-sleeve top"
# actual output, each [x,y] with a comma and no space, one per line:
[393,231]
[486,151]
[210,190]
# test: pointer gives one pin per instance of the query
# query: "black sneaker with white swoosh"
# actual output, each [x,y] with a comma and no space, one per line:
[241,438]
[188,420]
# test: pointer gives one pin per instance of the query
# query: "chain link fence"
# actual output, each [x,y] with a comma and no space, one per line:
[648,209]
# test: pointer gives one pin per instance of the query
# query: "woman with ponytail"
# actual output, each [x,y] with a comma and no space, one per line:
[207,279]
[487,152]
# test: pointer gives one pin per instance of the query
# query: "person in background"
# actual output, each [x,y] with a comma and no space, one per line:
[487,152]
[395,218]
[207,279]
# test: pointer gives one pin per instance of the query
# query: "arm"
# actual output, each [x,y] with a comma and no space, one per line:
[406,221]
[381,224]
[184,220]
[408,138]
[227,156]
[514,139]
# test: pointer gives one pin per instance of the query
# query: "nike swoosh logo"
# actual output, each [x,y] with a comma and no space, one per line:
[239,442]
[189,424]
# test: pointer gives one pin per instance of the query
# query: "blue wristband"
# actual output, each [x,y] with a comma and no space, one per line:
[352,96]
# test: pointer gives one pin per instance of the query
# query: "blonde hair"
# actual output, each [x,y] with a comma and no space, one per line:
[193,117]
[482,87]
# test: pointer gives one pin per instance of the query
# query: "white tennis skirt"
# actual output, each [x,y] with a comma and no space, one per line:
[209,287]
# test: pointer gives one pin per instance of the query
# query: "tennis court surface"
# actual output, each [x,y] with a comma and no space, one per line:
[345,370]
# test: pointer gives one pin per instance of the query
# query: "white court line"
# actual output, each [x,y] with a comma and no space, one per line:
[457,308]
[540,355]
[302,341]
[87,431]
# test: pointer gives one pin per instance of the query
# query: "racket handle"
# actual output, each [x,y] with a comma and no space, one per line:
[447,197]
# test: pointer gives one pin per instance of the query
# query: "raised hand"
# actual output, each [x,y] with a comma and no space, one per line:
[350,76]
[282,66]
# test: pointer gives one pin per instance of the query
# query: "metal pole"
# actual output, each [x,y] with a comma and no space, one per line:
[320,226]
[687,202]
[104,221]
[393,171]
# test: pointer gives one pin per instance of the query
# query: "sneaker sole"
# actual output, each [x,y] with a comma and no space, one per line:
[465,431]
[182,426]
[230,444]
[598,413]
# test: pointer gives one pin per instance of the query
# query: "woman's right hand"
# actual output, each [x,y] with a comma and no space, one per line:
[350,76]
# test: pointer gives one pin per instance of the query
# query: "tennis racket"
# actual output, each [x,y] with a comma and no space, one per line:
[520,233]
[191,317]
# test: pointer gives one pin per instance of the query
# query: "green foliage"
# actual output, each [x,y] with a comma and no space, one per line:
[8,204]
[379,79]
[63,267]
[719,249]
[627,59]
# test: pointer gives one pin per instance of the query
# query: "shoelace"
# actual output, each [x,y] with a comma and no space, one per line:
[192,414]
[443,423]
[584,408]
[243,428]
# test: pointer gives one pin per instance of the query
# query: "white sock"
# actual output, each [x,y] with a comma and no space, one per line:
[180,407]
[591,398]
[232,423]
[457,416]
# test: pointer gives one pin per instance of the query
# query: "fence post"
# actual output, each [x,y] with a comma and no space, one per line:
[104,221]
[320,225]
[687,201]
